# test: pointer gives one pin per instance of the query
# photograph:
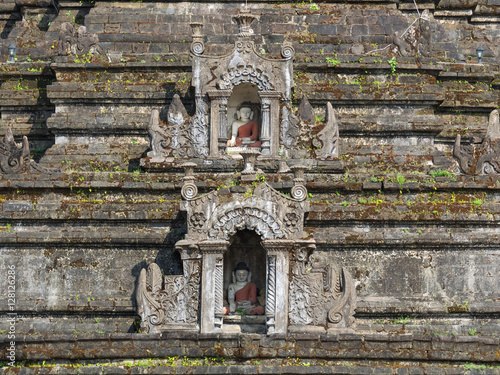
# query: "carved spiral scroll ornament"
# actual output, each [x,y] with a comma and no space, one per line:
[197,48]
[299,192]
[189,191]
[287,52]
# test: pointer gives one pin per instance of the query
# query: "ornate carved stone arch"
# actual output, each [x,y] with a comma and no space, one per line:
[242,73]
[250,215]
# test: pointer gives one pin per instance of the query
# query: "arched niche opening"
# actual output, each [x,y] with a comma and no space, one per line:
[245,247]
[243,93]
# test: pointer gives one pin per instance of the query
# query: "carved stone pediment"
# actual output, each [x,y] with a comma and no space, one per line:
[270,213]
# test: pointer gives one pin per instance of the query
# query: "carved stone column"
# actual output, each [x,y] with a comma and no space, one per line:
[269,133]
[277,284]
[212,285]
[218,120]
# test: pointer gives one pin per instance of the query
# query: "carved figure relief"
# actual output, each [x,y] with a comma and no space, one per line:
[327,140]
[289,127]
[77,41]
[483,158]
[321,293]
[416,39]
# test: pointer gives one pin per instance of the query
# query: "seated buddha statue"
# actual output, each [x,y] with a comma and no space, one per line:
[242,294]
[245,131]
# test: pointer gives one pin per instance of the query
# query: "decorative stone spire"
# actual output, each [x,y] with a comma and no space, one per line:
[244,20]
[197,46]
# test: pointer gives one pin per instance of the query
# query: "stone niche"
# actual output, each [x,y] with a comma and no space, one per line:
[299,290]
[223,83]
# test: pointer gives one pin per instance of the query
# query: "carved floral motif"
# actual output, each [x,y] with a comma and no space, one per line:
[171,301]
[321,293]
[242,73]
[246,217]
[77,41]
[182,136]
[14,158]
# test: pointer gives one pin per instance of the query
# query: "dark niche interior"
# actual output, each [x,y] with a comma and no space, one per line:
[245,247]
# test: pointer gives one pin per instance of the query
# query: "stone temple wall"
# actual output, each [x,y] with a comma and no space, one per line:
[417,229]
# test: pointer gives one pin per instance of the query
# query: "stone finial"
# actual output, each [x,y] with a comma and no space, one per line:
[299,191]
[189,190]
[14,158]
[298,172]
[177,113]
[327,140]
[157,135]
[196,29]
[493,131]
[197,46]
[244,20]
[305,111]
[484,158]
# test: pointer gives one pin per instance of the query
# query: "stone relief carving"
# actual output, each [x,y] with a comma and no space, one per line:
[77,41]
[215,77]
[483,158]
[171,302]
[321,293]
[208,219]
[246,215]
[242,73]
[326,142]
[306,120]
[15,158]
[416,39]
[289,127]
[199,126]
[181,137]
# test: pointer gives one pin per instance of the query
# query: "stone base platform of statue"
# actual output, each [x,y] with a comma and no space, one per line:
[244,324]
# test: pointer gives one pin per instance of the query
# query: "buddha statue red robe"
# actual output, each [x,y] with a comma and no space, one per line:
[249,130]
[249,293]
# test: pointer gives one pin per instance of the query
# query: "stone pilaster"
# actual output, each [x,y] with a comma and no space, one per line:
[277,284]
[212,285]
